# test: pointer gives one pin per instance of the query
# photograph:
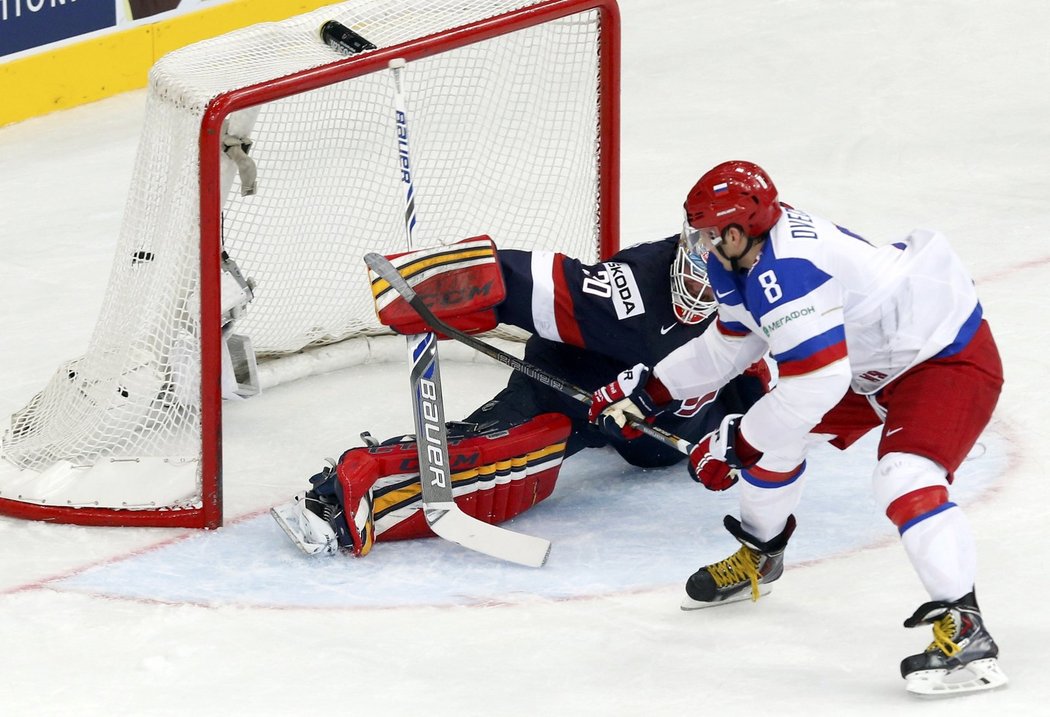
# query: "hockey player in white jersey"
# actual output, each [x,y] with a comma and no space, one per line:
[864,336]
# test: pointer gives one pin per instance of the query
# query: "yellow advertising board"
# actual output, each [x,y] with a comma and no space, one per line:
[56,54]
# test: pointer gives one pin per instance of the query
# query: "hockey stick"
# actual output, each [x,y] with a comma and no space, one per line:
[439,507]
[381,266]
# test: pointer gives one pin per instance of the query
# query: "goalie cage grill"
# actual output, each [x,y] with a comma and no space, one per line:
[515,122]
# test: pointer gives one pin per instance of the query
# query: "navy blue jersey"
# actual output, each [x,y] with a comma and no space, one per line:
[590,322]
[620,308]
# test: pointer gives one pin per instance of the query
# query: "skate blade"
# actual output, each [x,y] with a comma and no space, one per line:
[976,676]
[689,603]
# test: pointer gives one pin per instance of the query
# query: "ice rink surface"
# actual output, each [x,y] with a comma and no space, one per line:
[880,114]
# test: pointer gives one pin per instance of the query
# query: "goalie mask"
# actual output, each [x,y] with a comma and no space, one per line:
[691,292]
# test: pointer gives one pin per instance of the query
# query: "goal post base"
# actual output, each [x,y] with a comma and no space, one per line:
[110,492]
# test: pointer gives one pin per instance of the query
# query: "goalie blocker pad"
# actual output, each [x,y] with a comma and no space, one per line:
[461,283]
[496,475]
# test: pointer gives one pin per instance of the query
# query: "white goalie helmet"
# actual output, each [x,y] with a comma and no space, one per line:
[691,292]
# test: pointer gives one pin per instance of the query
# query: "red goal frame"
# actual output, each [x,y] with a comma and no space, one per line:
[210,513]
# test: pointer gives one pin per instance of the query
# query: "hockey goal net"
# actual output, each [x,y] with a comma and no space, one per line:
[267,167]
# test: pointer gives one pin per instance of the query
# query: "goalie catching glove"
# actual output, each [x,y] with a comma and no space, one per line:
[636,395]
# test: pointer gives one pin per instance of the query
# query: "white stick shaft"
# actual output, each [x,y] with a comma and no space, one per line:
[404,158]
[442,514]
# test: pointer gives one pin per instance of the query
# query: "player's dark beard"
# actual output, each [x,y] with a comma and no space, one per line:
[734,261]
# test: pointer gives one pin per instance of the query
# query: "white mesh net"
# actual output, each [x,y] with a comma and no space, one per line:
[504,141]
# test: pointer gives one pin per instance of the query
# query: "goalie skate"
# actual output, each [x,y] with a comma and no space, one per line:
[310,532]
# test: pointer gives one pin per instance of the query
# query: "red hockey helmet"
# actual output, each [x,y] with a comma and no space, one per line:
[734,192]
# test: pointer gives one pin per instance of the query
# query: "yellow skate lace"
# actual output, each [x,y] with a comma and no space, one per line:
[738,567]
[943,630]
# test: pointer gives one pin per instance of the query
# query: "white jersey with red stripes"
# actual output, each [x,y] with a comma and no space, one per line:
[835,311]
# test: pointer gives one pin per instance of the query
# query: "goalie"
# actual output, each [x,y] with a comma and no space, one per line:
[589,323]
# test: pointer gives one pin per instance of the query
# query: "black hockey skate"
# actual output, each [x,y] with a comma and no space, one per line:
[962,656]
[745,573]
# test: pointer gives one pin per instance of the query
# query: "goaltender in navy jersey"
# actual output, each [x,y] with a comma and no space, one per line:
[819,294]
[590,322]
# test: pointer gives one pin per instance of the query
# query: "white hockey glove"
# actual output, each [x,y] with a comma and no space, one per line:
[636,394]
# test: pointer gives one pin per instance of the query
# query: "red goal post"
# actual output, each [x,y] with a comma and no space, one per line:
[514,138]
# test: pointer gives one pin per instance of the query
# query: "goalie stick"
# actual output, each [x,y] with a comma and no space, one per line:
[439,508]
[382,266]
